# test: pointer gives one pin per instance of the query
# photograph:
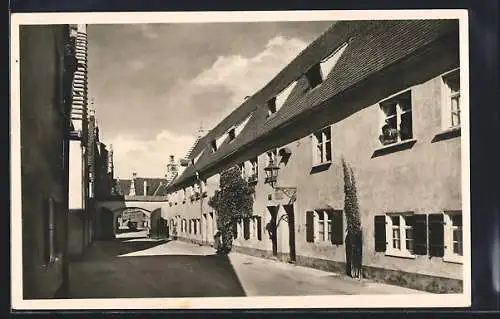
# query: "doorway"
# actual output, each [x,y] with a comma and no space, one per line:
[272,228]
[107,224]
[291,231]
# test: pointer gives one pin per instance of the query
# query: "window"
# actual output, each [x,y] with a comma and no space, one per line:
[453,236]
[213,144]
[451,99]
[232,134]
[314,76]
[321,227]
[322,146]
[271,107]
[325,225]
[400,234]
[397,119]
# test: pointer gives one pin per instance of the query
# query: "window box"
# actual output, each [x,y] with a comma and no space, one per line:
[396,147]
[447,134]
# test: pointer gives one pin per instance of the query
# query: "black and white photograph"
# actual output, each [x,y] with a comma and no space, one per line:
[309,159]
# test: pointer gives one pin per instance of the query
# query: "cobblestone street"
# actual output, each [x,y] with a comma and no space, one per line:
[138,267]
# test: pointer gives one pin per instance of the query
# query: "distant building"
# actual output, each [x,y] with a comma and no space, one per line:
[384,96]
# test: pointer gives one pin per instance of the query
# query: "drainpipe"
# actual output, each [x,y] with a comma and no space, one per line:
[52,228]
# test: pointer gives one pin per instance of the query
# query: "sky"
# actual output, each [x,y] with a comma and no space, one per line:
[154,85]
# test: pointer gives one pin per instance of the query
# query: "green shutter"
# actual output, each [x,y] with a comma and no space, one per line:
[246,228]
[436,235]
[235,229]
[379,230]
[259,228]
[310,227]
[337,227]
[420,234]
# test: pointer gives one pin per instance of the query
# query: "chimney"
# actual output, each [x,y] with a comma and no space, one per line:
[145,188]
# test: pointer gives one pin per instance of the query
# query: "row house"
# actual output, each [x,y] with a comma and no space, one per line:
[47,65]
[382,97]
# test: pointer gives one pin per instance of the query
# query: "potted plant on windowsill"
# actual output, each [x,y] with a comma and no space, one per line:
[389,135]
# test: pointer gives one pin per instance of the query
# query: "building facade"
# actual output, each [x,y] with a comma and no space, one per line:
[47,63]
[383,97]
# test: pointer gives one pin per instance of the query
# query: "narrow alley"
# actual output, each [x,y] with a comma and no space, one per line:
[134,266]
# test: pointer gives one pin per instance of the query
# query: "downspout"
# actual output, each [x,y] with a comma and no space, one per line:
[52,231]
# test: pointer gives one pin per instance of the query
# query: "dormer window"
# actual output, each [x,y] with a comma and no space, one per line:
[282,97]
[271,107]
[314,76]
[328,63]
[319,72]
[213,144]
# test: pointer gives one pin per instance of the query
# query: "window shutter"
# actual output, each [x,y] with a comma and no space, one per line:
[337,227]
[235,230]
[246,228]
[259,228]
[420,234]
[310,227]
[380,238]
[436,235]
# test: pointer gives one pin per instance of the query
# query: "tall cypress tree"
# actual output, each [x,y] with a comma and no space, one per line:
[354,238]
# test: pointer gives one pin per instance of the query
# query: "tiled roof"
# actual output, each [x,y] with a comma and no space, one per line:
[123,186]
[151,183]
[373,46]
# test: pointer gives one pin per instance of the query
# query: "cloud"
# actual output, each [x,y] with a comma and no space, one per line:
[147,157]
[245,75]
[206,97]
[219,89]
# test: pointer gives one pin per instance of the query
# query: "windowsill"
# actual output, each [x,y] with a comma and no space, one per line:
[400,254]
[454,259]
[395,147]
[316,168]
[322,164]
[451,132]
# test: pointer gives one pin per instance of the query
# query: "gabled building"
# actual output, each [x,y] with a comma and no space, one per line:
[140,186]
[381,96]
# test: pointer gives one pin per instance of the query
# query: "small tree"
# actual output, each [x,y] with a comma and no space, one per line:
[232,202]
[354,237]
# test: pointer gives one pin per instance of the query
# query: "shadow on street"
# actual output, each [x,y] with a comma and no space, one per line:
[154,270]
